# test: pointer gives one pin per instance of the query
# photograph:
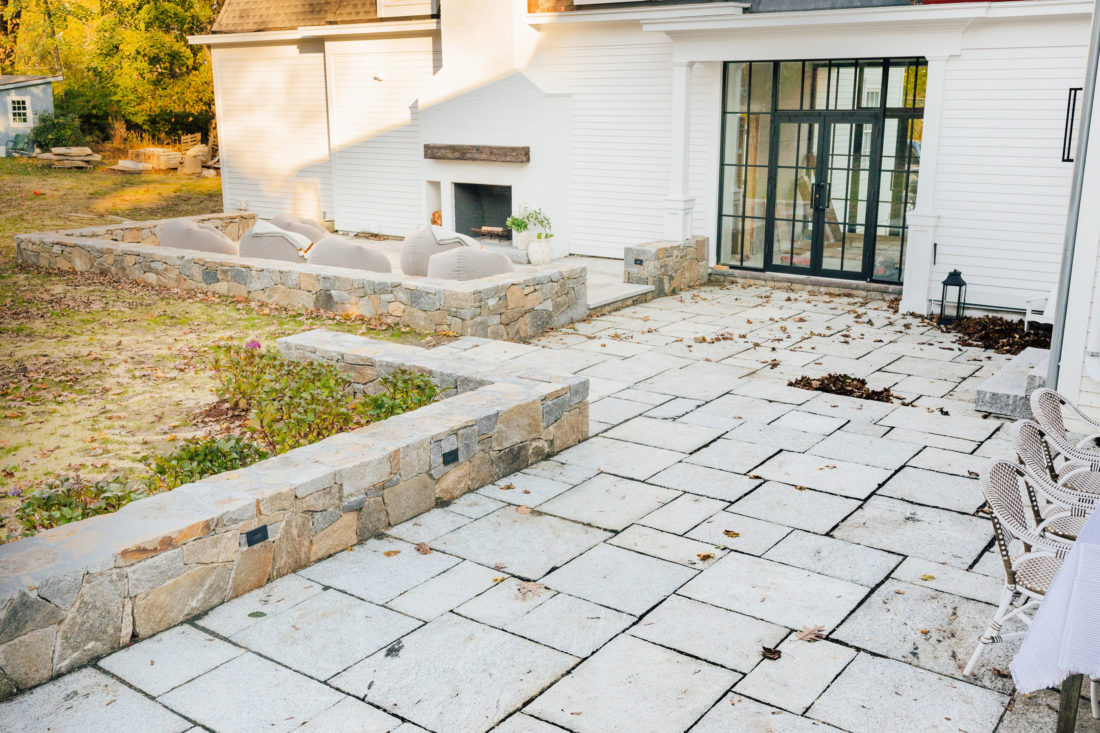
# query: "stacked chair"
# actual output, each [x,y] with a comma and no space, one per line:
[1038,506]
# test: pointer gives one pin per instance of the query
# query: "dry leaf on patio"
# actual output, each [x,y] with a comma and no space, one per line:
[705,556]
[811,633]
[523,509]
[391,553]
[769,653]
[499,566]
[507,487]
[927,577]
[731,533]
[530,588]
[423,549]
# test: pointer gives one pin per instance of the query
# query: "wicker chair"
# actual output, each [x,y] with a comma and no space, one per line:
[1047,406]
[1030,570]
[1069,487]
[1063,462]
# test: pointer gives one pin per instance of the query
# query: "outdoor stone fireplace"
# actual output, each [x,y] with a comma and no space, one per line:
[481,205]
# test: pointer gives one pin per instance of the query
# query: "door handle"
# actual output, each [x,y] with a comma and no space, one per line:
[820,195]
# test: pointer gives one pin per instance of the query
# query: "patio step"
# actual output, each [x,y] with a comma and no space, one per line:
[1007,392]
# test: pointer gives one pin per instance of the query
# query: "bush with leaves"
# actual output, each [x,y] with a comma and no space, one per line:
[56,131]
[71,498]
[196,459]
[291,404]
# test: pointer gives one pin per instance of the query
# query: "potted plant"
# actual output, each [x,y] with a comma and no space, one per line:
[541,250]
[521,235]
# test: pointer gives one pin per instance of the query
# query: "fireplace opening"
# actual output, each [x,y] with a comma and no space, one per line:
[480,205]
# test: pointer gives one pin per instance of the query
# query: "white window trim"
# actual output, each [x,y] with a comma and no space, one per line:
[11,112]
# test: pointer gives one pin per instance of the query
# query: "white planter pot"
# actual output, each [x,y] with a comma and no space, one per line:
[541,251]
[521,240]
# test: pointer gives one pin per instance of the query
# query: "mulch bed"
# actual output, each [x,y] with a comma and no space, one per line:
[843,384]
[999,334]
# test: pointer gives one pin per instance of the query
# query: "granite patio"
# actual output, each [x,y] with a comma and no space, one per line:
[632,582]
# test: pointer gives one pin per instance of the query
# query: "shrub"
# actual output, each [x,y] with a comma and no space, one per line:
[56,130]
[196,459]
[291,404]
[68,499]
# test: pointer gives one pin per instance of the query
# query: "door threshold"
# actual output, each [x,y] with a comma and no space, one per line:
[836,284]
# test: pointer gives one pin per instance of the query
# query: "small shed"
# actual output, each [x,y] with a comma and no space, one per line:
[23,98]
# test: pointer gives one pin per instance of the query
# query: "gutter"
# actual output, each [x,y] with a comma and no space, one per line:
[390,27]
[1061,305]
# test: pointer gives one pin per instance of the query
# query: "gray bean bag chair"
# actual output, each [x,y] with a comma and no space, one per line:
[334,251]
[310,228]
[421,245]
[185,234]
[467,263]
[267,241]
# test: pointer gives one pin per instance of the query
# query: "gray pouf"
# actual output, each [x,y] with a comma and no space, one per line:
[419,246]
[266,241]
[335,251]
[466,263]
[306,227]
[185,234]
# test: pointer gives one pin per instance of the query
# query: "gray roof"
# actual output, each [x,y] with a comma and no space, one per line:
[243,16]
[9,81]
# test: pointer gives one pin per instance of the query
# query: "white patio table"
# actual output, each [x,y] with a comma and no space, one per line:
[1063,642]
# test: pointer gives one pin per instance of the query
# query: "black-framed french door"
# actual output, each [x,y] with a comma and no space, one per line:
[822,193]
[819,165]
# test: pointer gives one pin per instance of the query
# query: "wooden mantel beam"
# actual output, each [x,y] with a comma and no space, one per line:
[489,153]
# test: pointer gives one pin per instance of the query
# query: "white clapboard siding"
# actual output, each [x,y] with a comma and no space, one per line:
[273,129]
[619,138]
[376,147]
[1002,189]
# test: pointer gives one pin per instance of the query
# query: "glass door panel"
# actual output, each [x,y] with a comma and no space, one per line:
[848,173]
[796,146]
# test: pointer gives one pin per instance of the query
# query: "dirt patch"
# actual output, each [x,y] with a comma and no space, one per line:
[843,384]
[999,334]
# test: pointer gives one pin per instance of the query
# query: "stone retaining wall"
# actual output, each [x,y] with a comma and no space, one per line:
[74,593]
[668,266]
[511,306]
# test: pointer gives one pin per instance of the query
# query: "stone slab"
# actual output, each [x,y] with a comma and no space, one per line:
[705,481]
[325,634]
[805,509]
[732,455]
[351,716]
[169,659]
[614,410]
[737,713]
[524,489]
[505,602]
[442,593]
[835,558]
[455,675]
[87,700]
[725,638]
[775,436]
[250,695]
[777,593]
[909,529]
[683,513]
[948,461]
[608,501]
[865,450]
[630,460]
[876,694]
[827,474]
[367,572]
[666,546]
[668,434]
[620,579]
[795,680]
[571,625]
[941,490]
[528,545]
[429,525]
[631,685]
[809,422]
[740,533]
[274,598]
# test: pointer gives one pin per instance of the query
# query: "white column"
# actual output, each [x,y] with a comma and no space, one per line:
[917,275]
[678,205]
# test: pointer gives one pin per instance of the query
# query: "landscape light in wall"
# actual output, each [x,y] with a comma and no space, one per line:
[953,298]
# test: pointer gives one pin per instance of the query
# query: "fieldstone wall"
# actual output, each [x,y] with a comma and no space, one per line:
[510,306]
[77,592]
[668,266]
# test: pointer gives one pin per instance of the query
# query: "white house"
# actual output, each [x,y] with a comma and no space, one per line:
[22,99]
[873,141]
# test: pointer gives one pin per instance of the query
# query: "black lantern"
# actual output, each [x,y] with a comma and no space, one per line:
[955,286]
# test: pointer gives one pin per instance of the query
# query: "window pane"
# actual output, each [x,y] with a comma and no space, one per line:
[761,100]
[842,86]
[753,246]
[729,241]
[889,249]
[870,84]
[907,84]
[759,139]
[737,87]
[733,152]
[791,77]
[733,189]
[756,192]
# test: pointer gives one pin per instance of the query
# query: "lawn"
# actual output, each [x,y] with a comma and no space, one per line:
[96,373]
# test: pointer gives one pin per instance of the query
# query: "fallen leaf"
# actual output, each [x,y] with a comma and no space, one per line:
[769,653]
[523,509]
[423,549]
[530,588]
[731,533]
[507,487]
[811,633]
[391,553]
[705,556]
[924,631]
[499,566]
[927,577]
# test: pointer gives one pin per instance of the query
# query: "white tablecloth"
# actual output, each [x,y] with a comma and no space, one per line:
[1064,638]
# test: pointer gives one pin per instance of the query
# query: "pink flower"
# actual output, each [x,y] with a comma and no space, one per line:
[253,344]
